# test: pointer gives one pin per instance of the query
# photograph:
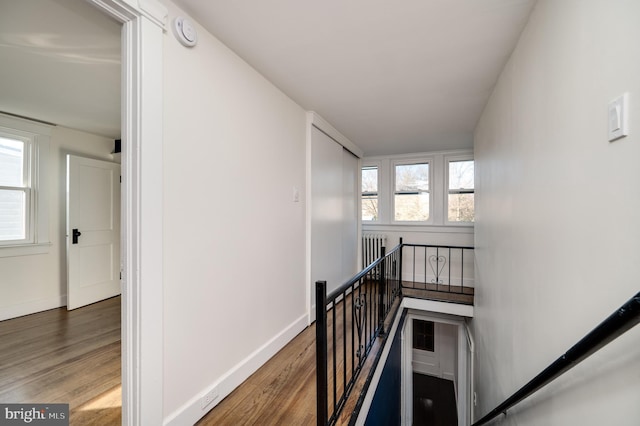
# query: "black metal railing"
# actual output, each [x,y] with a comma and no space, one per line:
[438,269]
[348,323]
[620,321]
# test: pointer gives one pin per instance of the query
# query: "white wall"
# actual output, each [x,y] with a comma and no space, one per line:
[234,239]
[557,234]
[35,283]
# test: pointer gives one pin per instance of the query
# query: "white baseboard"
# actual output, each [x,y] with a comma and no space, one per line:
[193,410]
[32,307]
[312,314]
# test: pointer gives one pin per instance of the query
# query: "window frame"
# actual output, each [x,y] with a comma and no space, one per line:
[36,137]
[25,188]
[408,162]
[452,159]
[377,193]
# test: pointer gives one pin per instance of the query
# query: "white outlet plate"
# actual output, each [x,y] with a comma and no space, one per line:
[209,398]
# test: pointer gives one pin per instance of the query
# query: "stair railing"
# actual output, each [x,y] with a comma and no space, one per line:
[361,305]
[439,269]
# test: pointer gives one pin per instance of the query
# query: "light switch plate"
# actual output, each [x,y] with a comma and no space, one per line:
[618,126]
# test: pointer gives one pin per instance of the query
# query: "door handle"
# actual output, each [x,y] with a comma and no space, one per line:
[75,235]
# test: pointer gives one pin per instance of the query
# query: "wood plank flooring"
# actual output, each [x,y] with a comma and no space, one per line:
[72,357]
[283,391]
[445,293]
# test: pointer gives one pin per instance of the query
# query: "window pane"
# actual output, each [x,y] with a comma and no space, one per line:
[369,207]
[369,193]
[369,179]
[461,208]
[461,174]
[11,162]
[412,177]
[412,207]
[423,335]
[12,215]
[461,186]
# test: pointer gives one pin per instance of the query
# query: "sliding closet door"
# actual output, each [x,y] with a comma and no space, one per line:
[334,220]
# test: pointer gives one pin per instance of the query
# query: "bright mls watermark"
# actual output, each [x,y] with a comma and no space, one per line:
[34,414]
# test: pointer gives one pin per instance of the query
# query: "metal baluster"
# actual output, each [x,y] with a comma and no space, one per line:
[414,268]
[400,266]
[462,270]
[426,259]
[333,337]
[353,322]
[449,269]
[381,291]
[344,341]
[321,353]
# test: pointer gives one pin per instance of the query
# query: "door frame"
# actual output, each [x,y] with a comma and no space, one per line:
[464,350]
[143,25]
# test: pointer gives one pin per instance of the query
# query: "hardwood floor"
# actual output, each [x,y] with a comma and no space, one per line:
[72,357]
[444,293]
[283,391]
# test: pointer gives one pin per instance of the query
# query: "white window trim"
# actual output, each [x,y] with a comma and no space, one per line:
[408,161]
[447,160]
[37,138]
[377,165]
[438,188]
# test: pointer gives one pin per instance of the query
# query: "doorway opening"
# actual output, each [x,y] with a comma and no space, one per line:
[436,369]
[142,44]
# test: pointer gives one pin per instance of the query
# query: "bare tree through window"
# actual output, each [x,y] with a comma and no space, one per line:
[370,193]
[411,197]
[461,191]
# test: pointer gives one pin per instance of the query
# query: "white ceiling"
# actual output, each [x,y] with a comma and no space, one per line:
[61,64]
[394,77]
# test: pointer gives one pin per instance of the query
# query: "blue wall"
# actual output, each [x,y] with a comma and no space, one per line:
[386,405]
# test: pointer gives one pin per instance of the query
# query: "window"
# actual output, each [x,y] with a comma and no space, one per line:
[370,193]
[461,191]
[24,219]
[419,191]
[423,335]
[411,194]
[15,191]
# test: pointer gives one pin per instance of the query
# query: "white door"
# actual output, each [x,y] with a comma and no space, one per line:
[93,231]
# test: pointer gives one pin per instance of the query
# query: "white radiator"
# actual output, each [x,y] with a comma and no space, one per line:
[372,247]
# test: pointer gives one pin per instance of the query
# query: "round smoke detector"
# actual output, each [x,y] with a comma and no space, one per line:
[185,31]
